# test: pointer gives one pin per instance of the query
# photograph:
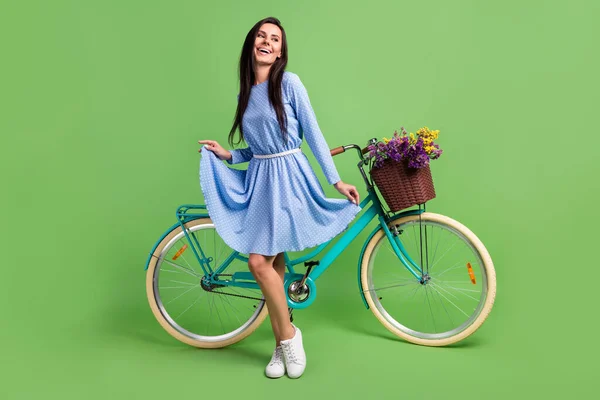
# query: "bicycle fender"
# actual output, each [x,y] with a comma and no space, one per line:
[157,242]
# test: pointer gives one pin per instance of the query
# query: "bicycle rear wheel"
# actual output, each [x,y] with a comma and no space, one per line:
[189,309]
[451,298]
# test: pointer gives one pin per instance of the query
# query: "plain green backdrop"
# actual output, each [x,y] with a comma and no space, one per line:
[102,105]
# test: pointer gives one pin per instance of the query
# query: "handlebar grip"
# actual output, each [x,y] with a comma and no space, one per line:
[337,150]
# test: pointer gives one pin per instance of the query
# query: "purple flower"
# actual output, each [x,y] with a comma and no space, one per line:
[398,149]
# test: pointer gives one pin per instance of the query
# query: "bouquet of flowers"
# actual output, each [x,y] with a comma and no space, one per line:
[417,150]
[400,167]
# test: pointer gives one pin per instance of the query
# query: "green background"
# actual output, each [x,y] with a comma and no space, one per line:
[103,103]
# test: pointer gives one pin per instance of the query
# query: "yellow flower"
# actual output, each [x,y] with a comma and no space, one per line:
[385,140]
[427,134]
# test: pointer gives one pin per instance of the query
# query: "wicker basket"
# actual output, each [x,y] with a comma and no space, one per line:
[403,187]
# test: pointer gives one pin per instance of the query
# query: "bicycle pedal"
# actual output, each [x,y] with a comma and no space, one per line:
[310,265]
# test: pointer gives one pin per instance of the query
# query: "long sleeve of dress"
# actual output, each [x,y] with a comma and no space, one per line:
[310,128]
[240,155]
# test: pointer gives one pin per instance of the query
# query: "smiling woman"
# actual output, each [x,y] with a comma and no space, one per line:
[277,204]
[268,45]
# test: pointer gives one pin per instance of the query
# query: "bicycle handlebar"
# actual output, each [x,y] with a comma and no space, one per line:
[341,149]
[361,151]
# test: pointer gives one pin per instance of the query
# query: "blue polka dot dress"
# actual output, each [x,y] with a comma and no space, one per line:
[277,204]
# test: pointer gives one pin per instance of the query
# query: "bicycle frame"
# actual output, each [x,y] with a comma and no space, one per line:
[246,279]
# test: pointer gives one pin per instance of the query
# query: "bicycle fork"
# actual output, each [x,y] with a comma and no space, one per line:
[399,250]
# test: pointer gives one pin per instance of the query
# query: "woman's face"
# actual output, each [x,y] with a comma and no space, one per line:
[267,45]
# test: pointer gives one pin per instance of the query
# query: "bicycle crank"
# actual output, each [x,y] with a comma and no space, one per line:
[301,292]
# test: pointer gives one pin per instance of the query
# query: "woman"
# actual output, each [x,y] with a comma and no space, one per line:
[277,204]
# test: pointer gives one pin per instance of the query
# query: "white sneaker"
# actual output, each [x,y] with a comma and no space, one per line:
[294,355]
[276,367]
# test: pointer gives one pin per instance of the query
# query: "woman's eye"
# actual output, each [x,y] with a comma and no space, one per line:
[260,35]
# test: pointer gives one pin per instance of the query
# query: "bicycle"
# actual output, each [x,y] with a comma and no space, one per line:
[405,277]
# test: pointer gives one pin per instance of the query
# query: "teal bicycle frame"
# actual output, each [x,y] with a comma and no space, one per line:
[246,279]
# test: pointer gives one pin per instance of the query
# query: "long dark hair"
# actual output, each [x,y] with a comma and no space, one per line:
[247,79]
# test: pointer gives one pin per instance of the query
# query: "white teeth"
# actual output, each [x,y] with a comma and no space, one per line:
[264,51]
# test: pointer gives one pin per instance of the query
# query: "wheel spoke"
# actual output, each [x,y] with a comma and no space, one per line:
[450,301]
[169,270]
[189,290]
[184,283]
[234,307]
[182,268]
[455,266]
[190,306]
[445,309]
[443,255]
[219,316]
[188,264]
[471,297]
[391,286]
[435,252]
[430,310]
[174,287]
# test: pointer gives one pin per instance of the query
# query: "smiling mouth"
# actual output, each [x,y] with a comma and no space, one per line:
[263,52]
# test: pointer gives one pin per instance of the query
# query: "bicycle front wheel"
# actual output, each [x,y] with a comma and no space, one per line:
[186,306]
[455,288]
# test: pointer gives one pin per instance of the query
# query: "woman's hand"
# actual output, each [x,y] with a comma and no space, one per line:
[348,190]
[216,148]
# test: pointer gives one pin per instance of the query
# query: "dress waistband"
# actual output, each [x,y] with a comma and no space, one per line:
[283,153]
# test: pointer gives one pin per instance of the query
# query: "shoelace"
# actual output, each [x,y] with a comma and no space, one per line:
[277,357]
[289,352]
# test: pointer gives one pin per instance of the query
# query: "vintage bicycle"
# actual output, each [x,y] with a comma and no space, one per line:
[426,277]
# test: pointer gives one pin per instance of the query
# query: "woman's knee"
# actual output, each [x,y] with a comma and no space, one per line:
[259,264]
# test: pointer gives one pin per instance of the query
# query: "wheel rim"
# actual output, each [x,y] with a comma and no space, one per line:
[200,313]
[445,301]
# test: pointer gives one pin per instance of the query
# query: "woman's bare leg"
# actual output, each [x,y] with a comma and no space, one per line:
[268,272]
[279,266]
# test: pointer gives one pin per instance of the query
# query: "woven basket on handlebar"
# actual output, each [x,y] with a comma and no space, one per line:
[403,187]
